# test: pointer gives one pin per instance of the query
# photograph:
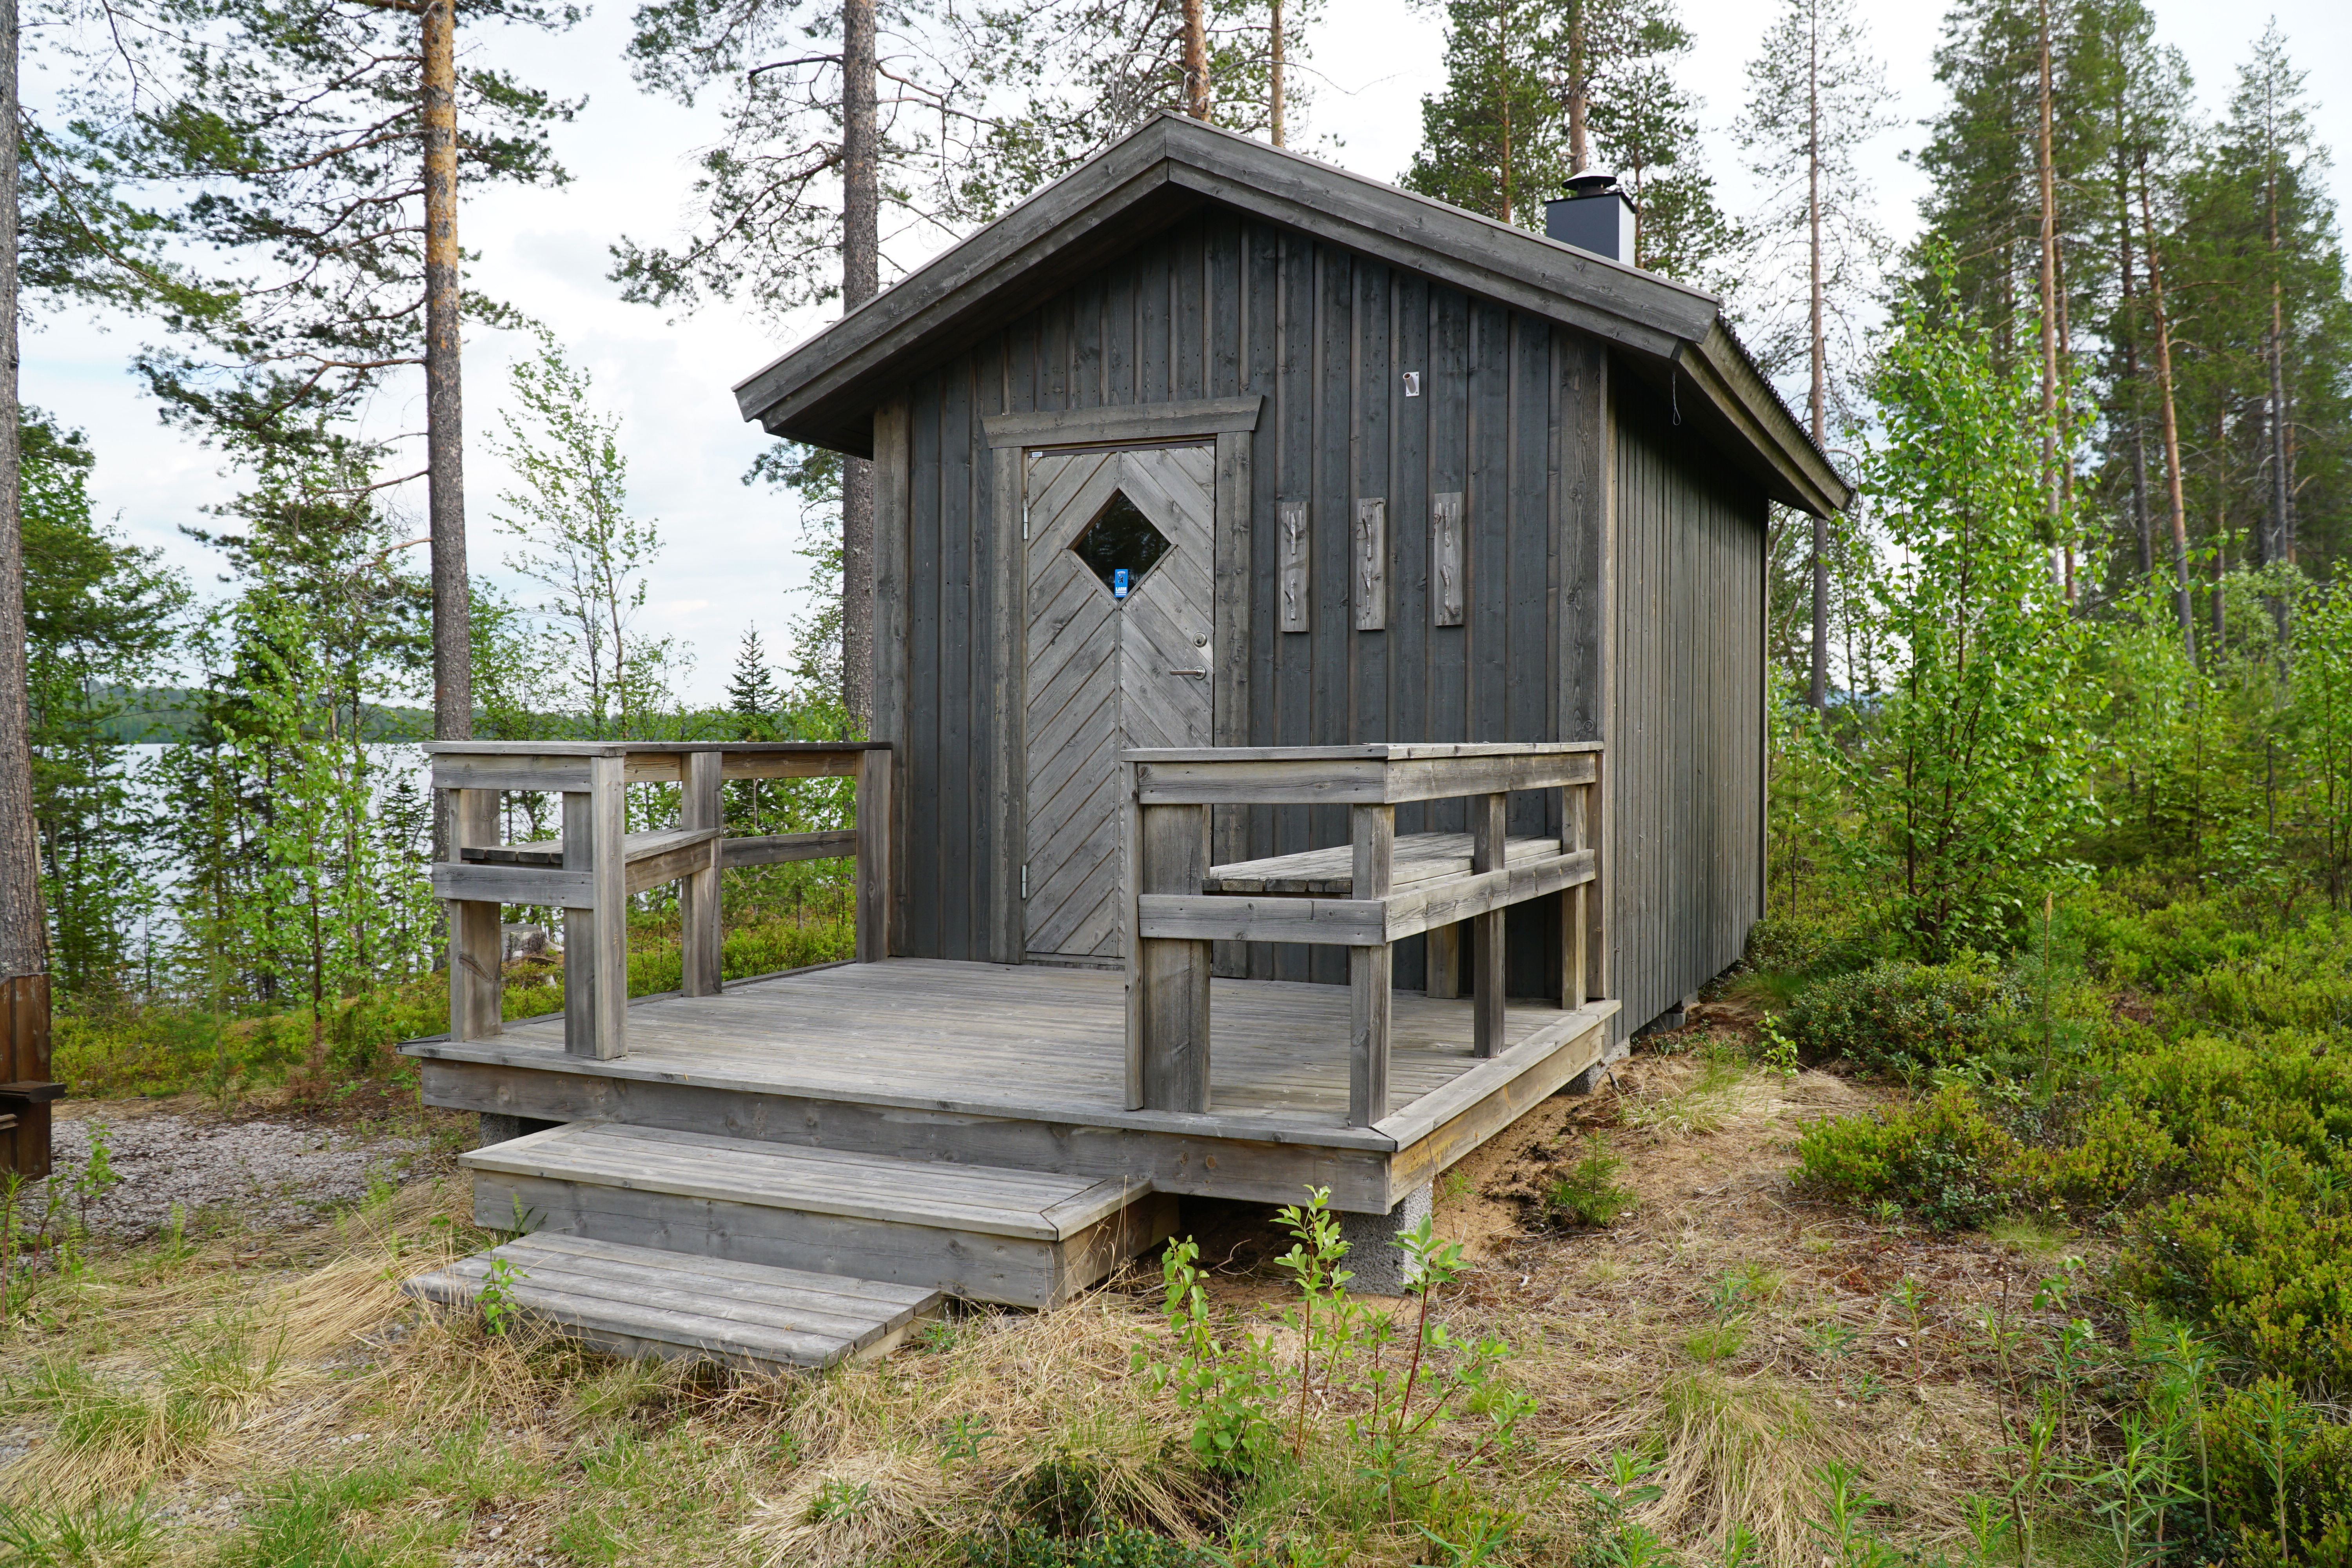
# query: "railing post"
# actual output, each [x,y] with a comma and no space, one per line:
[1572,817]
[1596,901]
[1444,979]
[701,937]
[1171,978]
[596,938]
[873,808]
[1487,817]
[1370,970]
[477,948]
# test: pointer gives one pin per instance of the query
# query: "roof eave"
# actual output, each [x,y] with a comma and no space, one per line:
[823,390]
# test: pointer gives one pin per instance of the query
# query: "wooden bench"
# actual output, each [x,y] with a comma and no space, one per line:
[1366,895]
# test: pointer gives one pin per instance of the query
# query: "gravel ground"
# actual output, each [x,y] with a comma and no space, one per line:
[256,1175]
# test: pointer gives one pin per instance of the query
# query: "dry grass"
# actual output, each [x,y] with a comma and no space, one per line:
[1741,1336]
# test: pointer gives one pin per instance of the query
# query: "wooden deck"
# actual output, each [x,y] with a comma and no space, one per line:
[1026,1067]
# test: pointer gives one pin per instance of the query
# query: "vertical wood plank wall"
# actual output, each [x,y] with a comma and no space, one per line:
[1511,415]
[1686,759]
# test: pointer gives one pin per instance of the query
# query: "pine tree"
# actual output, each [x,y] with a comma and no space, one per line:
[1493,141]
[1816,94]
[751,690]
[1536,91]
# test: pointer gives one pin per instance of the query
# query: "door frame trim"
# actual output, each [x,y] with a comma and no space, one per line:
[1232,504]
[1166,423]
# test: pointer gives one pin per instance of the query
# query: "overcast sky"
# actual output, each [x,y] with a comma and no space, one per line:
[730,560]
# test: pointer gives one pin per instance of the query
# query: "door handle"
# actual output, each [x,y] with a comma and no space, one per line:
[1195,674]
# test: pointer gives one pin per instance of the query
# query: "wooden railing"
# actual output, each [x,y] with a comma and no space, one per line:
[593,870]
[1178,905]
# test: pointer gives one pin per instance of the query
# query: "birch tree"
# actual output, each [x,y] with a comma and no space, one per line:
[574,535]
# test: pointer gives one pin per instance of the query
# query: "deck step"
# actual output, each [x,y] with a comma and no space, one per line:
[1020,1238]
[640,1301]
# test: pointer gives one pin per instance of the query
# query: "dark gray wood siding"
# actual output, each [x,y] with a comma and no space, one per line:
[1510,413]
[1685,745]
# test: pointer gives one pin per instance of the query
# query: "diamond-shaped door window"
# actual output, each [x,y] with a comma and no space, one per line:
[1121,545]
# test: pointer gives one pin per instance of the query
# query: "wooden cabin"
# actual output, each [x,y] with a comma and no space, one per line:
[1421,476]
[1319,687]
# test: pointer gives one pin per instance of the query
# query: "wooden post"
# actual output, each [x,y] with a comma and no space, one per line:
[25,1095]
[596,938]
[873,782]
[1171,977]
[1596,901]
[1445,979]
[1487,817]
[1370,970]
[477,949]
[701,937]
[1573,901]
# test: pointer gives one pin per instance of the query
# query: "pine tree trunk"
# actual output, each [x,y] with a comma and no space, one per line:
[1196,61]
[2221,531]
[2282,479]
[23,947]
[1275,95]
[2172,415]
[1818,686]
[445,449]
[2049,293]
[2131,355]
[1579,144]
[861,274]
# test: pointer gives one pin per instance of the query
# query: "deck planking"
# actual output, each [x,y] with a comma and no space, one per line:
[1030,1041]
[643,1301]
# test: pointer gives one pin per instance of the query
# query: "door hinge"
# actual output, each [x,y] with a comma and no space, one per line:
[1024,879]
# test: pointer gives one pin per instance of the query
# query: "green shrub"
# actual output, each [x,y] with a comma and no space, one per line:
[1589,1197]
[2265,1447]
[1940,1157]
[1782,946]
[1901,1017]
[2266,1260]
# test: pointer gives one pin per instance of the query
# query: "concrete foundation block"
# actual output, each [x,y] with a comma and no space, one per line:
[1592,1076]
[1383,1269]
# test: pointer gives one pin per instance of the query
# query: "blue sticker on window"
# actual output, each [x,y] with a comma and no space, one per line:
[1119,583]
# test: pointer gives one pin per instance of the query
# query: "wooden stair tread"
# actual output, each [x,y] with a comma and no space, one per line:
[1331,873]
[641,1301]
[987,1200]
[635,846]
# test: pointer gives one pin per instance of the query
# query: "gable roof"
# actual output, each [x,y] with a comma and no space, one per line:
[824,390]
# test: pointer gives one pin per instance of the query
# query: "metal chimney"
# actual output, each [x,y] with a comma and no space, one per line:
[1594,215]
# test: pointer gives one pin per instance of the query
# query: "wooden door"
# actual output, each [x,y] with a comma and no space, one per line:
[1108,670]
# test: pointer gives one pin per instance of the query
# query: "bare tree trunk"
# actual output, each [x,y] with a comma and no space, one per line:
[1196,61]
[444,430]
[2131,354]
[1503,113]
[2049,293]
[1817,346]
[2282,476]
[2066,503]
[24,945]
[2172,417]
[1580,156]
[1277,63]
[2217,642]
[861,275]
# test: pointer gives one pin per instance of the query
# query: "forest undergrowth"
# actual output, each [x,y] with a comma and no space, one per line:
[1872,1261]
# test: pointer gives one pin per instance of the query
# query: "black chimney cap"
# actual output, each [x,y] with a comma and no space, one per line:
[1590,183]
